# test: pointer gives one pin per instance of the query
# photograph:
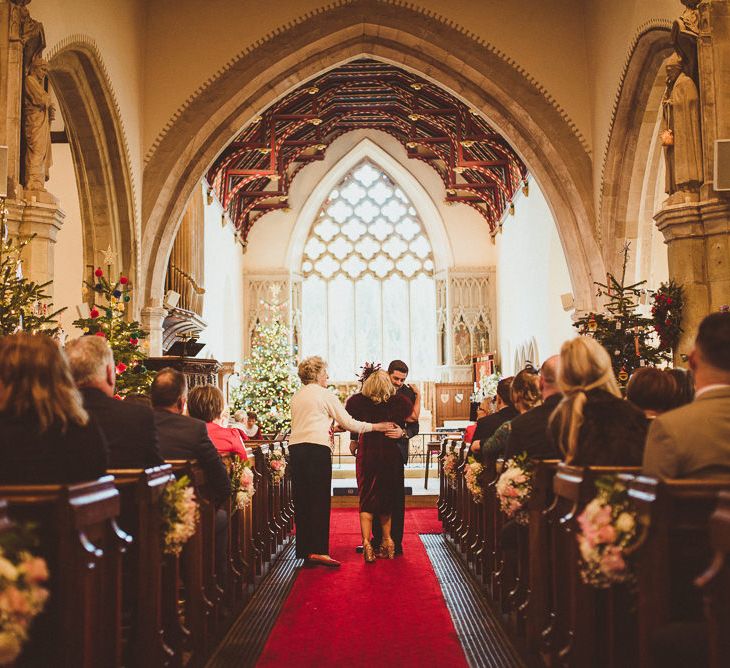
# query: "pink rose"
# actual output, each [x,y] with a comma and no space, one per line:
[612,562]
[603,516]
[606,534]
[13,601]
[35,569]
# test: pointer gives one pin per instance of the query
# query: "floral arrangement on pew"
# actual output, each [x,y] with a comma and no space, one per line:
[22,594]
[608,532]
[180,515]
[514,488]
[277,465]
[451,461]
[472,475]
[242,485]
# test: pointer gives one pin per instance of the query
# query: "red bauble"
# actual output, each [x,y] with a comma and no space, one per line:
[94,313]
[101,334]
[133,341]
[98,273]
[121,368]
[123,280]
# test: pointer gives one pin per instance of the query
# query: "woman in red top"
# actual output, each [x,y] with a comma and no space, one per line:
[205,402]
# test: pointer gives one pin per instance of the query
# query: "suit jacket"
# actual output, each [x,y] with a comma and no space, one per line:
[129,429]
[54,457]
[183,437]
[530,432]
[692,441]
[487,425]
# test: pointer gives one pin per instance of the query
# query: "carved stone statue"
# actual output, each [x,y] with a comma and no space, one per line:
[685,32]
[681,131]
[38,112]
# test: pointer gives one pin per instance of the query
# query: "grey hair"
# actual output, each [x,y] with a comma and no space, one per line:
[310,368]
[88,357]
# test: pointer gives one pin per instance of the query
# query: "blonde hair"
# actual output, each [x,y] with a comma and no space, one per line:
[525,390]
[378,387]
[35,381]
[205,402]
[584,365]
[310,368]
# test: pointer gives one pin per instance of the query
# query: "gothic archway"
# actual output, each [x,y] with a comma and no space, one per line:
[480,76]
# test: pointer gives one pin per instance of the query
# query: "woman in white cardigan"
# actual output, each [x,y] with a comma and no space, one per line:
[313,410]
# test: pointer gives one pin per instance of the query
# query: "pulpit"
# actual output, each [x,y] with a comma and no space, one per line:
[197,371]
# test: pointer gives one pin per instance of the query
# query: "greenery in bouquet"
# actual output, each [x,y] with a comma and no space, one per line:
[242,482]
[180,515]
[107,318]
[24,304]
[514,488]
[22,592]
[608,531]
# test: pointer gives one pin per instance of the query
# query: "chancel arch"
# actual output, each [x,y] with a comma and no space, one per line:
[443,54]
[101,163]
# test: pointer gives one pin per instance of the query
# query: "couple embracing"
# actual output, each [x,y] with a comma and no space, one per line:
[384,421]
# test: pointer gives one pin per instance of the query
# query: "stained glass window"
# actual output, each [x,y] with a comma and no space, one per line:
[368,291]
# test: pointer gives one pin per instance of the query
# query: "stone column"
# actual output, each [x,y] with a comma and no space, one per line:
[698,247]
[152,318]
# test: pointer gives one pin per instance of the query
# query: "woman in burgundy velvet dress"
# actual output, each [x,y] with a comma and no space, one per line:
[378,457]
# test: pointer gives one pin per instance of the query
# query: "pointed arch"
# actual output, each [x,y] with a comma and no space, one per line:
[401,34]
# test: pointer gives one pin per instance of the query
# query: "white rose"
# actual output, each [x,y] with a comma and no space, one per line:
[625,522]
[7,570]
[9,647]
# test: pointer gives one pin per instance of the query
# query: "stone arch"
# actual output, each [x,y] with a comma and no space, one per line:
[100,156]
[633,153]
[427,211]
[451,57]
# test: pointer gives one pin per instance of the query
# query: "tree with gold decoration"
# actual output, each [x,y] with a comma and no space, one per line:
[24,304]
[630,338]
[107,318]
[268,380]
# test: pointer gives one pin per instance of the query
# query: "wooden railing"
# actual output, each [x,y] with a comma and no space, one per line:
[531,573]
[116,598]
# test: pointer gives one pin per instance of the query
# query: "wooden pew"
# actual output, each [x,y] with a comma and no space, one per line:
[83,546]
[675,550]
[578,624]
[141,517]
[715,586]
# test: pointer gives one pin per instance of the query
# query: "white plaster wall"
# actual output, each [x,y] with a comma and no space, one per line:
[531,275]
[223,304]
[467,231]
[69,253]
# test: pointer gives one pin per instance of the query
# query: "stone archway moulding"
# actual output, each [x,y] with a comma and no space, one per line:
[100,153]
[424,205]
[402,35]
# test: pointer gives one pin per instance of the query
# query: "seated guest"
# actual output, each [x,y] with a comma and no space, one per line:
[685,385]
[652,390]
[529,431]
[593,425]
[46,436]
[694,441]
[205,402]
[482,411]
[504,410]
[248,425]
[183,437]
[136,398]
[525,395]
[129,428]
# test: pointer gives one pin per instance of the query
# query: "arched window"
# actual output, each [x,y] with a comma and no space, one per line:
[368,291]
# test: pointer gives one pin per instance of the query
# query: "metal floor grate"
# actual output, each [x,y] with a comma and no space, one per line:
[485,642]
[245,640]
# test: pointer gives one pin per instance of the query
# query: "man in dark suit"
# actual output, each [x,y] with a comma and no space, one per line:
[183,437]
[487,425]
[530,430]
[129,428]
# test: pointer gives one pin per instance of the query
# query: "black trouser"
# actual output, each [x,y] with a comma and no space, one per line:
[397,519]
[311,473]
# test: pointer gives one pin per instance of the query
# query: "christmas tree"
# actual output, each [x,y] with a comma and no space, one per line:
[24,304]
[629,337]
[107,319]
[268,380]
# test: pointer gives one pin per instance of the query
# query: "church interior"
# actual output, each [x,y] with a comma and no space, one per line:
[516,214]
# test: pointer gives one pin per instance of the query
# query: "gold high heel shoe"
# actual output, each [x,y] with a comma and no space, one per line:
[368,553]
[387,550]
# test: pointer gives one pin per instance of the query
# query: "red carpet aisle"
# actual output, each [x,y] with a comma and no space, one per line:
[391,613]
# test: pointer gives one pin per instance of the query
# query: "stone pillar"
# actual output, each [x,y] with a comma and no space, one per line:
[152,318]
[11,89]
[698,247]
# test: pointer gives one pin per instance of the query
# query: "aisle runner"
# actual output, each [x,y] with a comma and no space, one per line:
[391,613]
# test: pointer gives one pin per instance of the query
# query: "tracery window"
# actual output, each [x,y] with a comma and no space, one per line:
[368,291]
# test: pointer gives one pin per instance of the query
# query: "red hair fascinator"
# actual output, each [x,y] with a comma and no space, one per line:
[368,369]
